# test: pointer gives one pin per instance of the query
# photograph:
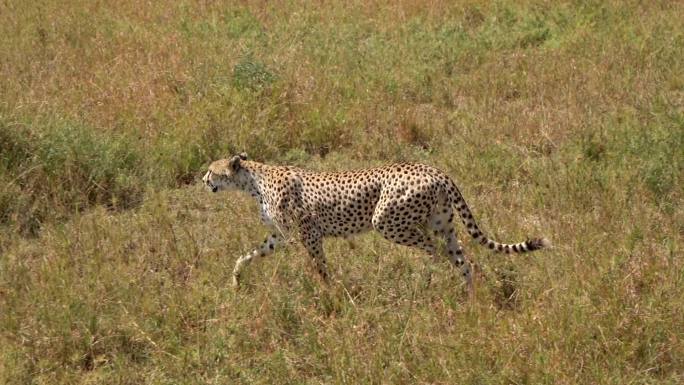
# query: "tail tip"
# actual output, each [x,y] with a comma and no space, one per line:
[538,243]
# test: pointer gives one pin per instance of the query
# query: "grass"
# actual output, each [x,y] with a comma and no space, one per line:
[557,119]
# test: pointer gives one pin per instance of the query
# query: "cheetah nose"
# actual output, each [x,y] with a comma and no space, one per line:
[211,186]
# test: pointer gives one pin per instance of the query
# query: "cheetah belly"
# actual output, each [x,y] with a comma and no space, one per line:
[265,214]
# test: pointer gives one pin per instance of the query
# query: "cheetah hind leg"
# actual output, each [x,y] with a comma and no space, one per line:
[416,237]
[458,258]
[442,223]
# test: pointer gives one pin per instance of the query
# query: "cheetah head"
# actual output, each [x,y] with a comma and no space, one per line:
[223,173]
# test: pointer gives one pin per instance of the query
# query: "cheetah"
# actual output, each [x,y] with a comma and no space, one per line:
[407,203]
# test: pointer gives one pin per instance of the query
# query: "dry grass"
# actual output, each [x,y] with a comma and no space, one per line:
[562,119]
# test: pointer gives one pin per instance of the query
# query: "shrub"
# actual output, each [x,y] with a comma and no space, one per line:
[83,168]
[249,74]
[64,169]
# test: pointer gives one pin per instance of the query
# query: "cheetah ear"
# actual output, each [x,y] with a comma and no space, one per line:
[234,162]
[243,155]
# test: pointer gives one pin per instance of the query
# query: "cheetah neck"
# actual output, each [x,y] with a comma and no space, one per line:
[252,179]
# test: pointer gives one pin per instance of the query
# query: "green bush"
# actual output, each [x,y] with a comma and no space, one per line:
[252,75]
[83,168]
[15,146]
[57,170]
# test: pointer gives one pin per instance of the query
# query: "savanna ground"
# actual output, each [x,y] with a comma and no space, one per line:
[562,119]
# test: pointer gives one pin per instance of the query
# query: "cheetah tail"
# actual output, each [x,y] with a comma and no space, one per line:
[472,228]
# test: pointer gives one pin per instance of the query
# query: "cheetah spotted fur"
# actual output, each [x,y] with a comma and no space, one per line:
[407,203]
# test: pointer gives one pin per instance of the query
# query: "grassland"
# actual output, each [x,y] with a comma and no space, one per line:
[562,119]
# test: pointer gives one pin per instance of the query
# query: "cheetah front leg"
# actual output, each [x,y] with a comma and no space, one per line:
[267,247]
[313,242]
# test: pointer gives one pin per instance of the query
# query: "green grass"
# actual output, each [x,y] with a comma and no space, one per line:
[557,119]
